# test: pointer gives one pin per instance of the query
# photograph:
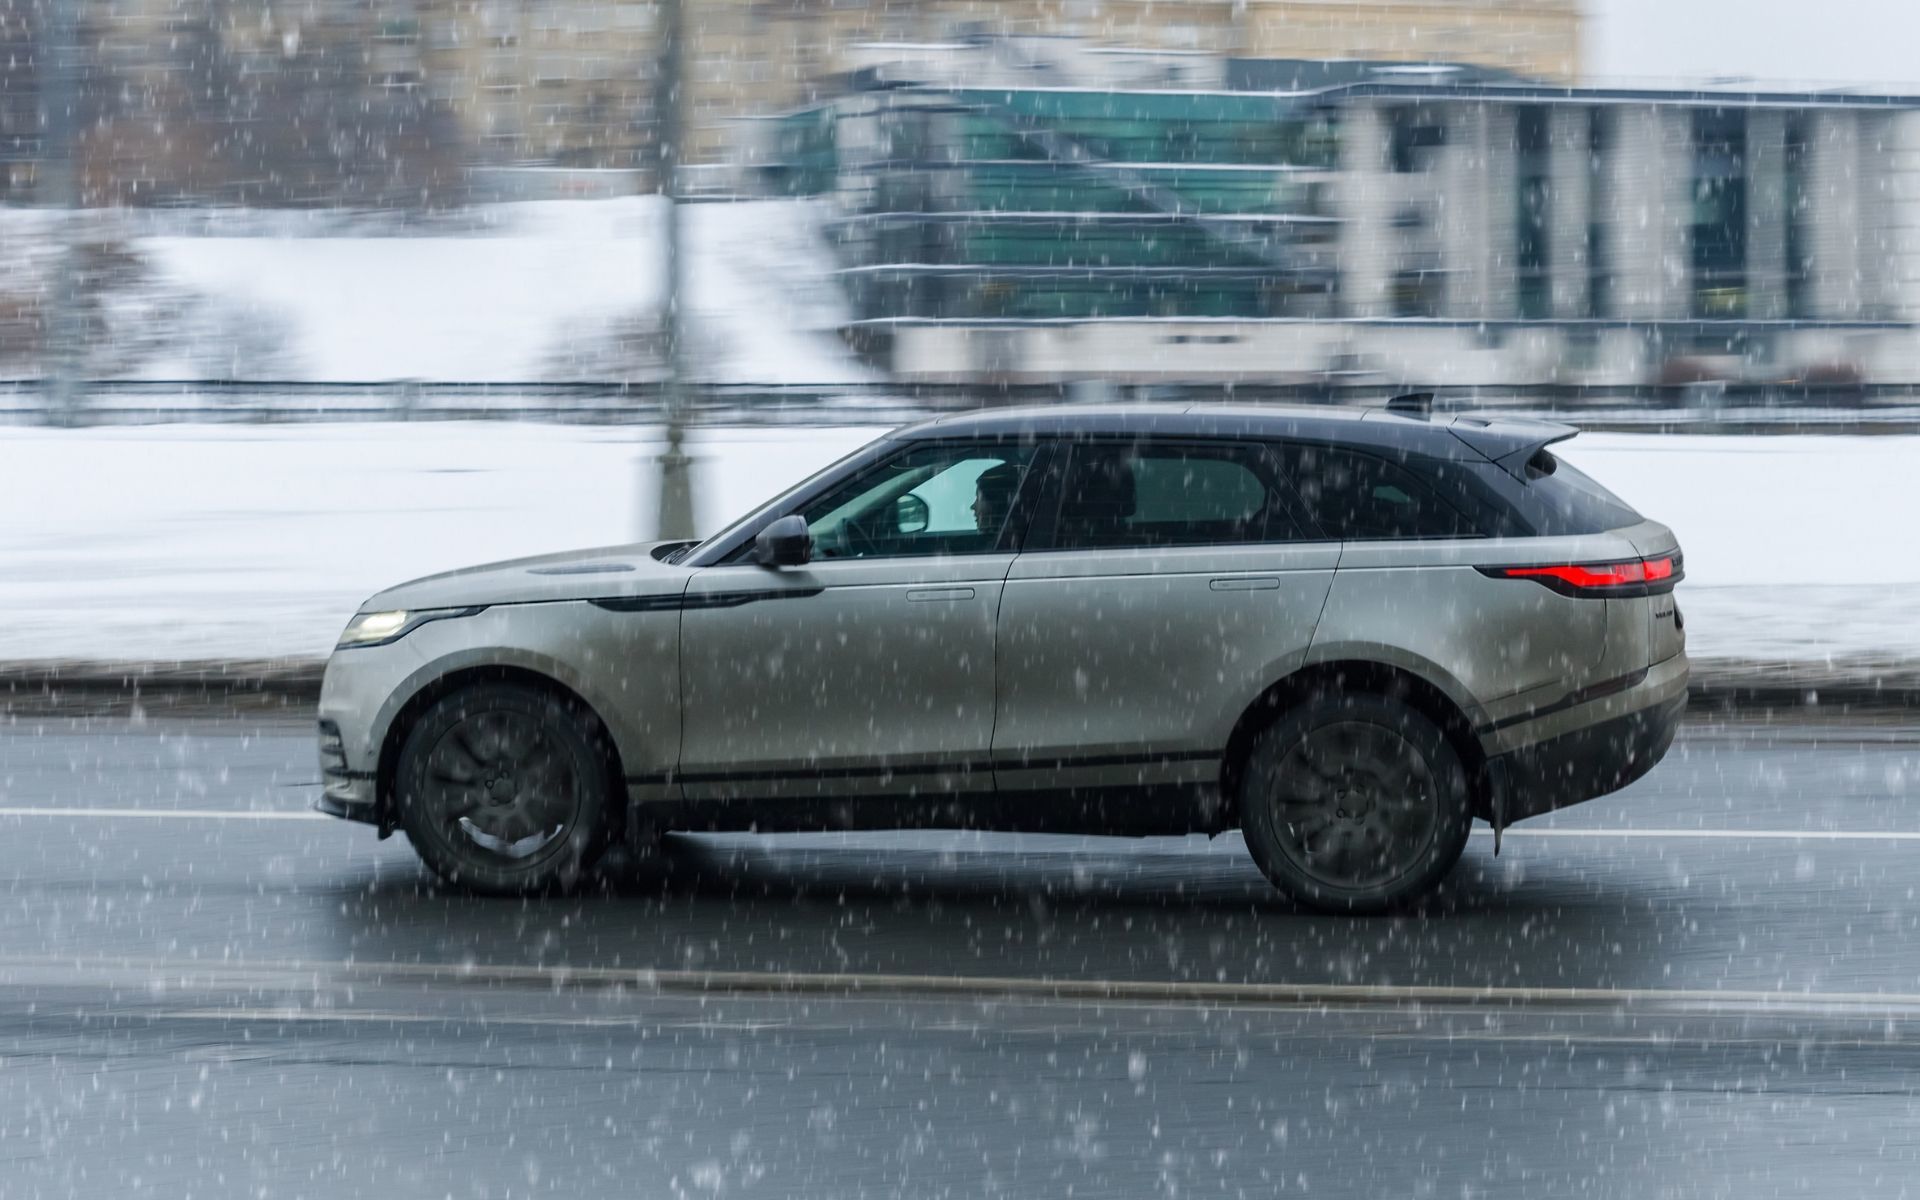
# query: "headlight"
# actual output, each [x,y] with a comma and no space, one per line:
[379,628]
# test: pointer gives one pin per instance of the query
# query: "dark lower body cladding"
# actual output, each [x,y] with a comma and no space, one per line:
[1163,811]
[1588,763]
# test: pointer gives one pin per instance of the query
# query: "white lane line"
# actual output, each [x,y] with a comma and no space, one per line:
[169,814]
[365,1017]
[1777,835]
[1651,1039]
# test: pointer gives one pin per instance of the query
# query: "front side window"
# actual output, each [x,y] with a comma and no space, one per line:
[1127,495]
[927,499]
[1358,497]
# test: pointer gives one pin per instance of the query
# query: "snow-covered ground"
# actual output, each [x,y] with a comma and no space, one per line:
[254,541]
[500,293]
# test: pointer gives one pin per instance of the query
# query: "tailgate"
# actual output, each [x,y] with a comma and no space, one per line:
[1666,625]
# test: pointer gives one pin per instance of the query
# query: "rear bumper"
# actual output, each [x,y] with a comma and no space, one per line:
[1585,763]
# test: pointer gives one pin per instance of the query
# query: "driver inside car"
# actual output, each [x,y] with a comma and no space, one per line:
[993,497]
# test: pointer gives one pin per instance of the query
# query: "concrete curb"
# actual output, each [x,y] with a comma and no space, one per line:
[194,688]
[1828,685]
[291,686]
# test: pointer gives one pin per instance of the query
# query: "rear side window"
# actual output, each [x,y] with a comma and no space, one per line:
[1568,501]
[1115,496]
[1358,497]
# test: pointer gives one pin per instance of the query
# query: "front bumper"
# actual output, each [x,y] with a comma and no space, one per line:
[344,792]
[356,695]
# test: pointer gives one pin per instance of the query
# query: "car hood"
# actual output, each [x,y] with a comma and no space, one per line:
[602,571]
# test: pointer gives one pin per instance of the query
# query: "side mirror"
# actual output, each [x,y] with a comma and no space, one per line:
[784,543]
[911,514]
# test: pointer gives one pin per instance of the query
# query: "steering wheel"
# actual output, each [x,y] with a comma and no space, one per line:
[845,540]
[856,541]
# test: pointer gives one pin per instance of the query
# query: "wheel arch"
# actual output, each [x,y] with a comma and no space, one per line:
[1365,676]
[441,686]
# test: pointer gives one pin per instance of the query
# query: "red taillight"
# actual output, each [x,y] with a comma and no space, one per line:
[1636,576]
[1596,576]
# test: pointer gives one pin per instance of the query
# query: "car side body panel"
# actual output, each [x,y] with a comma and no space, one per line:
[848,678]
[1130,667]
[1508,646]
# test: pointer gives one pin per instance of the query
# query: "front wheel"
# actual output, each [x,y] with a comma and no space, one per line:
[505,789]
[1354,803]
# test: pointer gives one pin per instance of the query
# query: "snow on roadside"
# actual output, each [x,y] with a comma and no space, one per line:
[516,291]
[1797,548]
[252,541]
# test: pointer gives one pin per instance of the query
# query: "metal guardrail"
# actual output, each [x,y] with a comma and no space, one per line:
[1733,409]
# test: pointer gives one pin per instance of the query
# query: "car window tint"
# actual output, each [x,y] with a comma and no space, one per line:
[1358,497]
[930,499]
[1134,495]
[1571,502]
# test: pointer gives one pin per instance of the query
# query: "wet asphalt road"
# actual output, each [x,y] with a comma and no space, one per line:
[205,993]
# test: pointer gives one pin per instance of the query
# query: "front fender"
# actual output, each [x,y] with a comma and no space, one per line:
[623,665]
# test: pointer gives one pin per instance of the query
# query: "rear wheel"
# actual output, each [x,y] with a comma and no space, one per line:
[1354,803]
[505,789]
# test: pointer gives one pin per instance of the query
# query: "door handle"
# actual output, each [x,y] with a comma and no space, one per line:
[1246,583]
[933,595]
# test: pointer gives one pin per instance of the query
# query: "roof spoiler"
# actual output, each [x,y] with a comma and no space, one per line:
[1510,443]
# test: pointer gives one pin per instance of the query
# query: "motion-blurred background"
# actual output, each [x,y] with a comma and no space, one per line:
[260,257]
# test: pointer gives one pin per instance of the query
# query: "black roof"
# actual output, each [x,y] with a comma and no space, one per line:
[1374,428]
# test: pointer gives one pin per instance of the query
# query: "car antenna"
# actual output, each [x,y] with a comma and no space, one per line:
[1412,404]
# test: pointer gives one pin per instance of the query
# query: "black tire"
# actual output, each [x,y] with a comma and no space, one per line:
[1354,804]
[506,790]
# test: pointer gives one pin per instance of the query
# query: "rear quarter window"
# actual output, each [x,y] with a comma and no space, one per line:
[1567,501]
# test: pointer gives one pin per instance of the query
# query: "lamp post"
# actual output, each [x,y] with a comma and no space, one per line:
[57,184]
[674,512]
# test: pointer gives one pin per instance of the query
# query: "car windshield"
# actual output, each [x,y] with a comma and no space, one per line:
[698,549]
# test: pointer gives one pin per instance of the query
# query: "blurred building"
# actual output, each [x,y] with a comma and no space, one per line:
[1277,221]
[569,83]
[246,102]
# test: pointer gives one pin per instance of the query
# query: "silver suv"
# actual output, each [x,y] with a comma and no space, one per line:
[1346,633]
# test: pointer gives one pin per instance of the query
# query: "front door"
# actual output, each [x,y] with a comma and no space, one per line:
[869,671]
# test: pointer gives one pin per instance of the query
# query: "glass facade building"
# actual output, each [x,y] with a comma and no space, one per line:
[1036,205]
[1489,230]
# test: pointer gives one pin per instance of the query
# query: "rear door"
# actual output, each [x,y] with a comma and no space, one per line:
[1165,584]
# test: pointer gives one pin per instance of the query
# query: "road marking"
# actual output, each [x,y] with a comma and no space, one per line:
[288,1014]
[180,975]
[1777,835]
[1653,1039]
[170,814]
